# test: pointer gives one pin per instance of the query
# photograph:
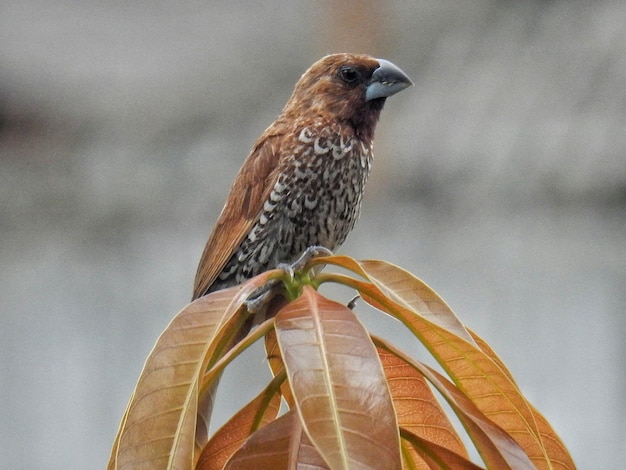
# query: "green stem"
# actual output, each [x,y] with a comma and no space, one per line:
[343,279]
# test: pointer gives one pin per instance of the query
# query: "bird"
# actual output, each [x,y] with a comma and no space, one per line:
[302,183]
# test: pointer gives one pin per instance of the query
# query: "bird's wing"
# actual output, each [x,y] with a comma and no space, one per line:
[251,188]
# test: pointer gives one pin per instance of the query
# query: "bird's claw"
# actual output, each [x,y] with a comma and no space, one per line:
[259,297]
[288,269]
[255,304]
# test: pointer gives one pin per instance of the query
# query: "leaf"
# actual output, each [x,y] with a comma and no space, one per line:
[411,459]
[555,448]
[230,437]
[417,409]
[347,414]
[498,449]
[281,444]
[486,348]
[275,360]
[412,293]
[233,329]
[159,425]
[476,374]
[436,456]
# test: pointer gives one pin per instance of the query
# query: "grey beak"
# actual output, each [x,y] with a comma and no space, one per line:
[386,80]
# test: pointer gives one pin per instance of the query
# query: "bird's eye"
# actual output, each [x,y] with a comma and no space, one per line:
[349,74]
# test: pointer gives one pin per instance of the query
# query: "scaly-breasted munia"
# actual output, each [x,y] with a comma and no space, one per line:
[303,182]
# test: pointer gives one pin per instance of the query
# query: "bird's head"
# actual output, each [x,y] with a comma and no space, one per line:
[349,88]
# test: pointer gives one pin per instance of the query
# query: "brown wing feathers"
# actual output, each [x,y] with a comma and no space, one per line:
[243,205]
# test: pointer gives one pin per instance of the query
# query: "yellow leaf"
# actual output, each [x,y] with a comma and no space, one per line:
[555,448]
[475,373]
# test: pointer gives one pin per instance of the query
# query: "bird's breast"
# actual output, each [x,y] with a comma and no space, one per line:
[315,200]
[322,183]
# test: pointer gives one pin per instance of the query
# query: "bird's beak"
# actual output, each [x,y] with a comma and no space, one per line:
[386,80]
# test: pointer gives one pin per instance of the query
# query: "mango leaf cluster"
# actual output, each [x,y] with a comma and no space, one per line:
[350,400]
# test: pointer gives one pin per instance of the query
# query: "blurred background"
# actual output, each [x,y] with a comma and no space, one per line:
[499,179]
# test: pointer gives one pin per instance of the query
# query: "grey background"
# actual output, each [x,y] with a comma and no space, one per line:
[500,179]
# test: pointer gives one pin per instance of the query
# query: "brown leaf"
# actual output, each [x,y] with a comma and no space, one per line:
[275,360]
[282,444]
[496,447]
[230,437]
[159,425]
[417,409]
[476,374]
[347,413]
[436,456]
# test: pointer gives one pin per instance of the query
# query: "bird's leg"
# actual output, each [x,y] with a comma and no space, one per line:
[306,256]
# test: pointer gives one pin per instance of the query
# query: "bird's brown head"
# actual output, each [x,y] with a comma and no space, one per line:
[349,88]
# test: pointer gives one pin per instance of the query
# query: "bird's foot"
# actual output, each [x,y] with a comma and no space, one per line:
[308,254]
[288,269]
[260,297]
[305,257]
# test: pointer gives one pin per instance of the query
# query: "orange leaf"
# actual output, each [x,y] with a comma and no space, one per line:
[465,357]
[347,414]
[412,293]
[555,448]
[496,447]
[159,425]
[476,374]
[417,409]
[436,456]
[280,444]
[486,348]
[230,437]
